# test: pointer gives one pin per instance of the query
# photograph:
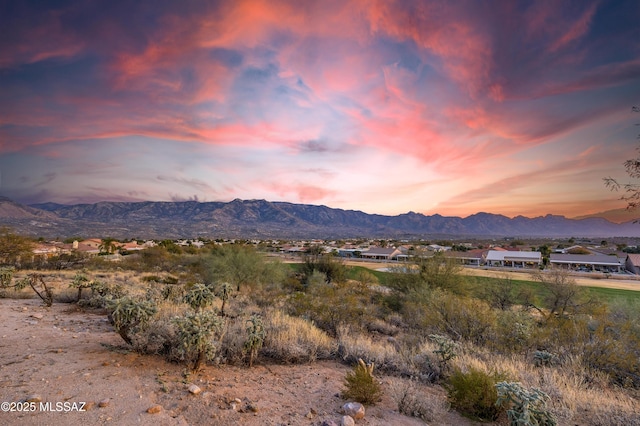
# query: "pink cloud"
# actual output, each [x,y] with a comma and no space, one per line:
[446,31]
[302,192]
[576,29]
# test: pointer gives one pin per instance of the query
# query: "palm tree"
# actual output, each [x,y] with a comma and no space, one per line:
[108,245]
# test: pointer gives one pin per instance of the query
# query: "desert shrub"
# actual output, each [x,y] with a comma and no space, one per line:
[232,341]
[159,335]
[331,267]
[544,358]
[128,314]
[353,345]
[474,393]
[513,332]
[361,386]
[169,279]
[329,305]
[524,407]
[316,278]
[292,339]
[255,338]
[615,350]
[151,278]
[461,317]
[413,402]
[199,296]
[381,327]
[197,333]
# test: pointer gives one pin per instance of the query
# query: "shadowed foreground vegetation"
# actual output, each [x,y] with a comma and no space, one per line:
[493,344]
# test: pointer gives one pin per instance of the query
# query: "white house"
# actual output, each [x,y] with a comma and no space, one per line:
[513,259]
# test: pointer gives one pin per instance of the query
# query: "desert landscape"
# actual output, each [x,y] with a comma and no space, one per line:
[60,359]
[64,354]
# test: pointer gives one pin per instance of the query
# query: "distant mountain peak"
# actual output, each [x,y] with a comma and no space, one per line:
[265,219]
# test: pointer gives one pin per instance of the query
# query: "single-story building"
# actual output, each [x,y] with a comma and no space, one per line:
[381,253]
[470,258]
[632,263]
[513,259]
[587,262]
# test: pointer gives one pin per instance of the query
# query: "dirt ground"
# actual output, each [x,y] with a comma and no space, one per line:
[63,355]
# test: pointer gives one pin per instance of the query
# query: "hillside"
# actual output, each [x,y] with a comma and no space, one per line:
[264,219]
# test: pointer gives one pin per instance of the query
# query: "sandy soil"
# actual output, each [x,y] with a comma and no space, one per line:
[61,354]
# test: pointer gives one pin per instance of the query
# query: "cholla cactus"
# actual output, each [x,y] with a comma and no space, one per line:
[224,292]
[80,281]
[35,281]
[447,348]
[127,314]
[524,407]
[255,338]
[197,332]
[6,276]
[199,297]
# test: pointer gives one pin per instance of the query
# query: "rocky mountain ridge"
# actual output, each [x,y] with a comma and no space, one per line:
[265,219]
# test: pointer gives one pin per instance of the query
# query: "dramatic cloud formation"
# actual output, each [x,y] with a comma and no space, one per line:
[384,106]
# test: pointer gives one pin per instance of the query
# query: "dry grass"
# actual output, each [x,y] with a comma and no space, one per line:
[416,400]
[293,339]
[578,396]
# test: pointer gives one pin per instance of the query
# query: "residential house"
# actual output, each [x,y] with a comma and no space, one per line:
[587,262]
[469,258]
[381,253]
[513,259]
[632,263]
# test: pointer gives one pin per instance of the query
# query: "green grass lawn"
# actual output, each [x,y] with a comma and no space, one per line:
[475,285]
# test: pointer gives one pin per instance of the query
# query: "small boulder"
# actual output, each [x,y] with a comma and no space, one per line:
[194,389]
[104,403]
[34,398]
[347,421]
[154,409]
[354,409]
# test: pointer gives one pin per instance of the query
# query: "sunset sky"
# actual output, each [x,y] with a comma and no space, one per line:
[450,107]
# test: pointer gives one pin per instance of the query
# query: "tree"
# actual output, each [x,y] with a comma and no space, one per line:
[502,293]
[439,271]
[13,248]
[108,246]
[563,296]
[236,264]
[631,190]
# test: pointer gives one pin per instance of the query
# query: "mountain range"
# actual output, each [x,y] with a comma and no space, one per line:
[265,219]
